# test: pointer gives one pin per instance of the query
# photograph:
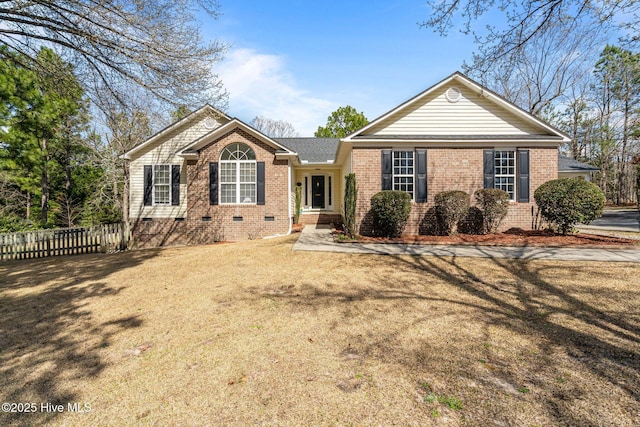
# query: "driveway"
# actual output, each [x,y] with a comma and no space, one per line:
[618,220]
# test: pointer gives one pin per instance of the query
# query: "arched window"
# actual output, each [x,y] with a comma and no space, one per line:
[237,174]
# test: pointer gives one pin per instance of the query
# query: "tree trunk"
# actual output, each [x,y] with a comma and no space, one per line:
[67,179]
[44,202]
[67,167]
[573,144]
[622,185]
[638,191]
[28,215]
[125,192]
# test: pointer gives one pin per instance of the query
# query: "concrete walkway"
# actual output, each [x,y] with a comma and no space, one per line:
[318,238]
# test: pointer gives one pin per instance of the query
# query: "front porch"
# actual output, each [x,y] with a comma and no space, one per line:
[318,190]
[321,195]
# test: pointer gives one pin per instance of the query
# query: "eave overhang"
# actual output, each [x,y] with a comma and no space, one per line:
[128,155]
[189,150]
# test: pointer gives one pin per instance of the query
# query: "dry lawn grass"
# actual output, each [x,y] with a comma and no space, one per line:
[253,333]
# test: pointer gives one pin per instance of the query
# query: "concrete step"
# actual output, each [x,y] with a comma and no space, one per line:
[319,218]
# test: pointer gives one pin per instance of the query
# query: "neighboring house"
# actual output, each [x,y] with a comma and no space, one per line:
[570,168]
[210,174]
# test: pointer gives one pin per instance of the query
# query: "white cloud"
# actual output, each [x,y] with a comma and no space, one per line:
[259,85]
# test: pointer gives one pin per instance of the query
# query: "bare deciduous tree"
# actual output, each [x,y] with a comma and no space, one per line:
[273,128]
[544,69]
[155,43]
[13,202]
[577,119]
[526,20]
[122,129]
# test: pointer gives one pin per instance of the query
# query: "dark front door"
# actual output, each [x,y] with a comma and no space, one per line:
[317,188]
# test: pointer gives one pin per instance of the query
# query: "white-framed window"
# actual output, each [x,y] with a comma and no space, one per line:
[238,175]
[161,184]
[403,171]
[504,162]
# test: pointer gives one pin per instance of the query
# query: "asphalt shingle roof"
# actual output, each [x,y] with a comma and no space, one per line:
[567,164]
[313,150]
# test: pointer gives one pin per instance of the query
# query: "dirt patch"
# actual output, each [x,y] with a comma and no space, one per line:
[512,237]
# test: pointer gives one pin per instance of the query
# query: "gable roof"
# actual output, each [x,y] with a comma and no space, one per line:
[128,155]
[567,164]
[191,149]
[311,149]
[550,132]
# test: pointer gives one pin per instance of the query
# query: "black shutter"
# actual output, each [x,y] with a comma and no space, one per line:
[489,169]
[386,170]
[260,198]
[175,185]
[523,176]
[213,183]
[421,176]
[148,185]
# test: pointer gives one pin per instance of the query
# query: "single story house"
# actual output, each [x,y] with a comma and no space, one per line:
[210,175]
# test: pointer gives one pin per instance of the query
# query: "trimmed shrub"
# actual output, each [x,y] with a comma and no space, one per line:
[296,214]
[350,198]
[566,202]
[494,204]
[451,208]
[390,211]
[472,223]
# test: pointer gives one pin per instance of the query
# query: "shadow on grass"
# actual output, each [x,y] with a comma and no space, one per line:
[528,305]
[49,336]
[596,340]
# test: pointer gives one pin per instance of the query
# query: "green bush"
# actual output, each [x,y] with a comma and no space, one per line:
[390,211]
[472,223]
[566,202]
[451,208]
[350,198]
[494,204]
[296,214]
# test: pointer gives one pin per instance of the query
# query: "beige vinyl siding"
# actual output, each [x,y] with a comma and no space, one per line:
[473,114]
[338,194]
[162,152]
[585,175]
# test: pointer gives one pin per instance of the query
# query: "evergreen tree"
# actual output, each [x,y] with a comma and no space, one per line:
[42,119]
[342,122]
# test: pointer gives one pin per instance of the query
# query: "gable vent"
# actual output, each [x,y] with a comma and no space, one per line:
[453,94]
[210,123]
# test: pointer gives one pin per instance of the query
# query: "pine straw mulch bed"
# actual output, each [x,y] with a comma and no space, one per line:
[511,237]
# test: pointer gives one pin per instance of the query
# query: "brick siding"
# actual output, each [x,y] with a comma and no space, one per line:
[449,169]
[192,230]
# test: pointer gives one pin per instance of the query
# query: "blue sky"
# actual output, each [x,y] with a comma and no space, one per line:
[298,61]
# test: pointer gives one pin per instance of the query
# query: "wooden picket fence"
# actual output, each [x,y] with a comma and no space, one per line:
[64,241]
